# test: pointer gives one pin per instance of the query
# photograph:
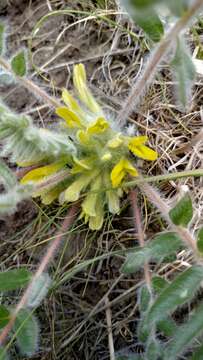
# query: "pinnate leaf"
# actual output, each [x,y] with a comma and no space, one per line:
[178,292]
[161,246]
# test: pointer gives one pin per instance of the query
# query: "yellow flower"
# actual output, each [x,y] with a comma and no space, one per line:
[83,137]
[96,222]
[79,80]
[115,142]
[71,119]
[72,104]
[72,193]
[89,204]
[120,170]
[82,164]
[42,172]
[112,195]
[51,195]
[98,127]
[137,147]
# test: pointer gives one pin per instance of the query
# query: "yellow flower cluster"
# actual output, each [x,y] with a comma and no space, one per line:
[103,161]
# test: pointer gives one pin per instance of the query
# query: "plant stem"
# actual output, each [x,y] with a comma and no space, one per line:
[160,51]
[30,85]
[138,226]
[41,268]
[166,177]
[109,327]
[164,209]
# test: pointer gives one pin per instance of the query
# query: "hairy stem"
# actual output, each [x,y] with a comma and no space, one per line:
[109,327]
[30,85]
[138,226]
[164,209]
[41,268]
[161,50]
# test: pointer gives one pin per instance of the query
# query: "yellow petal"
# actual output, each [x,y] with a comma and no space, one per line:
[113,201]
[113,197]
[89,204]
[42,172]
[138,140]
[129,168]
[82,164]
[28,163]
[143,152]
[79,80]
[72,193]
[83,137]
[117,174]
[71,119]
[50,196]
[119,171]
[98,127]
[96,222]
[115,142]
[106,157]
[69,100]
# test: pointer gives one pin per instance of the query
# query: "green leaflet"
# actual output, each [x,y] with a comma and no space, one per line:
[185,335]
[3,354]
[200,240]
[158,284]
[161,246]
[2,35]
[178,7]
[167,327]
[39,290]
[182,213]
[14,279]
[184,72]
[150,22]
[146,17]
[177,293]
[154,350]
[18,64]
[27,333]
[142,3]
[4,316]
[144,298]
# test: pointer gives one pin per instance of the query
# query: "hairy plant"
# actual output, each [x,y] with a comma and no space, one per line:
[87,161]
